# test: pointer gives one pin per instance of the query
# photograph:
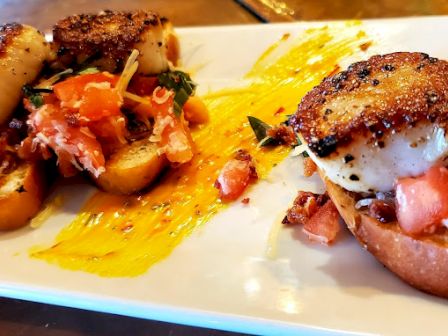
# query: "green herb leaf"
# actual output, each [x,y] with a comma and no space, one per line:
[37,100]
[34,94]
[88,71]
[180,99]
[181,83]
[260,129]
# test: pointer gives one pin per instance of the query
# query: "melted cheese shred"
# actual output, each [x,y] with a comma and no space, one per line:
[116,236]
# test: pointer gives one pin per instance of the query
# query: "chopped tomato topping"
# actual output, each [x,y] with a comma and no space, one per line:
[92,95]
[98,103]
[83,110]
[318,215]
[72,89]
[323,226]
[422,202]
[171,132]
[235,176]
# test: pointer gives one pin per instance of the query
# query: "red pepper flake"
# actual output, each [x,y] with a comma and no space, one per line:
[245,200]
[281,109]
[365,46]
[336,69]
[127,228]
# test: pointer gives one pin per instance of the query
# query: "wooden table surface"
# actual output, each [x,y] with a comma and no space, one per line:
[26,318]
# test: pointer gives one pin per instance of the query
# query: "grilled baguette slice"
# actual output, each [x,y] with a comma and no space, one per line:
[421,262]
[132,168]
[21,195]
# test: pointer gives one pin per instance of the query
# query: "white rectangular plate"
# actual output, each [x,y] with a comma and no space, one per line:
[219,277]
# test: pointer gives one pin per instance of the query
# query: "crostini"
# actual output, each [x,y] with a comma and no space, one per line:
[115,105]
[377,133]
[23,53]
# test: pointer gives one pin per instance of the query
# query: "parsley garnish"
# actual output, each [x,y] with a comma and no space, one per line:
[260,129]
[34,95]
[181,83]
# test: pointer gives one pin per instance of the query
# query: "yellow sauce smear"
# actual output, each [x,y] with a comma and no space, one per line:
[117,236]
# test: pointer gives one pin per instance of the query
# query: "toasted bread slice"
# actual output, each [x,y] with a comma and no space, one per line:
[132,168]
[421,262]
[21,195]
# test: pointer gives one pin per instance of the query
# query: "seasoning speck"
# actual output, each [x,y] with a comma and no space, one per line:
[354,177]
[348,158]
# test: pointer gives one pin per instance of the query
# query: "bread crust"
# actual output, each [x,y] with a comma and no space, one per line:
[18,206]
[132,168]
[420,262]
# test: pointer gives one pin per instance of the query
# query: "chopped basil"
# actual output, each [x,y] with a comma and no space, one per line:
[181,83]
[260,129]
[34,94]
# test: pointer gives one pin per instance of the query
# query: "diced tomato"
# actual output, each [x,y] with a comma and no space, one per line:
[174,134]
[143,85]
[234,178]
[82,111]
[323,226]
[422,202]
[98,103]
[71,90]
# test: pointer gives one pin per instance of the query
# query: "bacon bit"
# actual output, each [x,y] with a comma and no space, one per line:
[317,214]
[281,109]
[235,176]
[365,46]
[245,200]
[305,205]
[309,167]
[283,134]
[382,211]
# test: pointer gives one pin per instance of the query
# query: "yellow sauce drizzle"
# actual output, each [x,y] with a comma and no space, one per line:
[118,236]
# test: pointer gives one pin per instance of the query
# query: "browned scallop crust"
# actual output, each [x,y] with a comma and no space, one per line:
[422,263]
[111,34]
[371,98]
[7,33]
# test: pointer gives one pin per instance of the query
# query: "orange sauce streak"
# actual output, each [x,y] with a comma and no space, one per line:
[123,236]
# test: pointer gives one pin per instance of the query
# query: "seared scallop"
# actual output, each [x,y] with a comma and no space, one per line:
[23,52]
[108,38]
[379,120]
